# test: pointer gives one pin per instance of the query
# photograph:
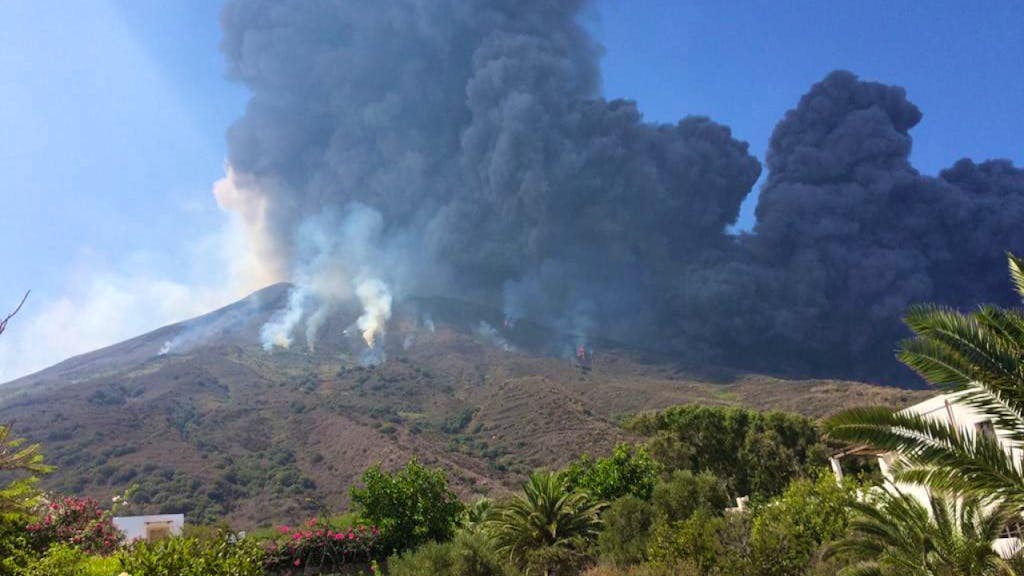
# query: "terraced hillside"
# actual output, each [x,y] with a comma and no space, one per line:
[203,420]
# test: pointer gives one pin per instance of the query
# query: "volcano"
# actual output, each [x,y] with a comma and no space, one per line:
[200,418]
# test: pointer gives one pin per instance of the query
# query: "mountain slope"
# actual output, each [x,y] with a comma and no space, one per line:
[204,420]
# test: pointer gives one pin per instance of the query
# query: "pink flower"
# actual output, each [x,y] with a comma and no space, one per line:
[283,529]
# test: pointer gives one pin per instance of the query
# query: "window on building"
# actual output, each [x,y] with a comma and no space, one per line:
[985,428]
[1014,530]
[158,530]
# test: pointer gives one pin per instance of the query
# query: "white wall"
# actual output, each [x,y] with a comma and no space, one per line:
[134,527]
[947,409]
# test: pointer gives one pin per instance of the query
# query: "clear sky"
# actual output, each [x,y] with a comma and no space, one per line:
[113,112]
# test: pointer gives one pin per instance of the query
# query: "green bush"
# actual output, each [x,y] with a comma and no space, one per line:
[430,559]
[756,453]
[627,527]
[629,470]
[410,507]
[468,554]
[565,559]
[181,556]
[788,533]
[704,544]
[63,560]
[677,498]
[15,552]
[693,541]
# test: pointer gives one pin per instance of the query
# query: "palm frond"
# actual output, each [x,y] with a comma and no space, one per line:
[1016,273]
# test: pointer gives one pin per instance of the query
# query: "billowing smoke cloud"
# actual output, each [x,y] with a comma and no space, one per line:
[470,143]
[849,234]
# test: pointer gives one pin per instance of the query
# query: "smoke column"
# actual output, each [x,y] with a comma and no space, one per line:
[462,147]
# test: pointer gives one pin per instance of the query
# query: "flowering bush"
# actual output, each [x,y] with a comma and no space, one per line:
[77,522]
[318,546]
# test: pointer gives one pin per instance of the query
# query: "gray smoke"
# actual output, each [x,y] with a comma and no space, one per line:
[474,135]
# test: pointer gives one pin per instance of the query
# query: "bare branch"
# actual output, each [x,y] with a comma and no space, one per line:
[3,323]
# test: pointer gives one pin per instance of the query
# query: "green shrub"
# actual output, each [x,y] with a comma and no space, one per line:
[430,559]
[473,554]
[411,506]
[468,554]
[693,541]
[629,470]
[756,453]
[677,498]
[627,527]
[63,560]
[15,552]
[788,533]
[180,556]
[566,559]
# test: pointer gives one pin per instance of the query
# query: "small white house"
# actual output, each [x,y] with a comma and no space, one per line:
[944,407]
[154,527]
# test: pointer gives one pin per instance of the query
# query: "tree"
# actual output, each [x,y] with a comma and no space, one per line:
[788,532]
[978,354]
[626,530]
[410,507]
[756,453]
[548,527]
[25,464]
[629,470]
[684,493]
[3,323]
[18,499]
[895,535]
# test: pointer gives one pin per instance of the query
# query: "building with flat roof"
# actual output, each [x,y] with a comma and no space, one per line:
[152,527]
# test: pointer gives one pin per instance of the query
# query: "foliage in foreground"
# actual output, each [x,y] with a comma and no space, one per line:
[756,453]
[895,535]
[468,554]
[318,546]
[978,354]
[412,506]
[78,522]
[548,528]
[185,556]
[629,470]
[23,463]
[65,560]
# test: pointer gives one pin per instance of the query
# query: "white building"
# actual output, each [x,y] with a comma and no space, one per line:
[947,408]
[152,527]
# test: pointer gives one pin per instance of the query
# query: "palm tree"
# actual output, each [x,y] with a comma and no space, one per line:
[979,354]
[546,518]
[475,516]
[894,534]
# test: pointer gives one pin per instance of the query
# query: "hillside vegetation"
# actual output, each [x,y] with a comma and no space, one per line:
[225,430]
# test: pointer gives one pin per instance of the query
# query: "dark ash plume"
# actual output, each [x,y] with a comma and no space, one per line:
[472,134]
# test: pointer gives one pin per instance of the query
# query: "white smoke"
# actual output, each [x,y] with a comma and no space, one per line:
[428,322]
[490,334]
[341,257]
[278,331]
[376,300]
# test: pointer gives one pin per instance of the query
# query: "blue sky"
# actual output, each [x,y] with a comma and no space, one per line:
[113,112]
